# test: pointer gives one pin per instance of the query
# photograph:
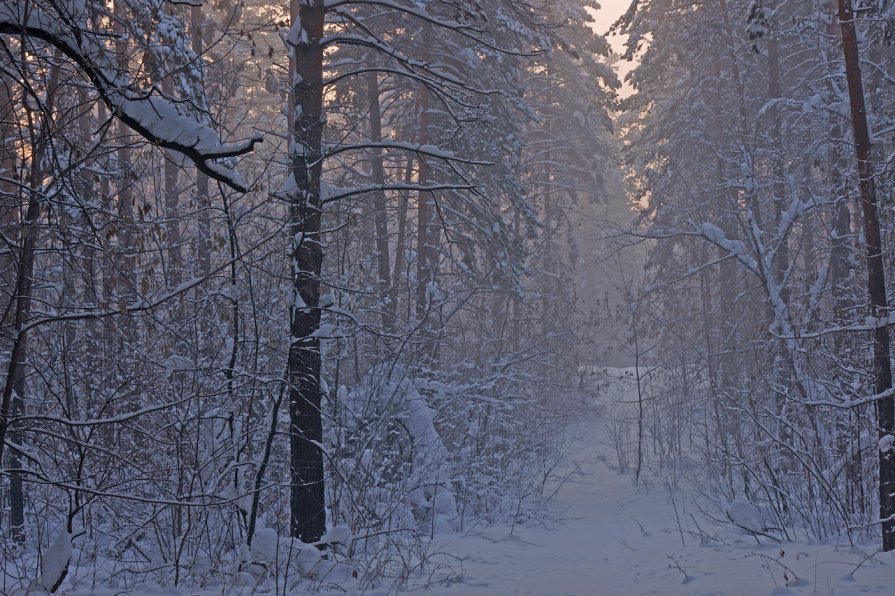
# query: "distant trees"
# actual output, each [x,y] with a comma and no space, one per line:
[737,155]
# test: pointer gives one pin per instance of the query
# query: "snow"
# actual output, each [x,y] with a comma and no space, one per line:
[609,536]
[54,566]
[264,545]
[716,235]
[746,516]
[157,118]
[337,535]
[297,35]
[328,331]
[177,363]
[298,302]
[617,538]
[409,428]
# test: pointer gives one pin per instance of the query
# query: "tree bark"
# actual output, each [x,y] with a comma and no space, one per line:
[427,225]
[839,250]
[401,240]
[781,258]
[203,204]
[424,214]
[876,282]
[11,400]
[9,225]
[172,200]
[380,216]
[308,514]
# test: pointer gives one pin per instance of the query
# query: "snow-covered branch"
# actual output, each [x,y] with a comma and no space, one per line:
[149,114]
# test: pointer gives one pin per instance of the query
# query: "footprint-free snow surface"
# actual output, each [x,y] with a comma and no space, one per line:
[612,537]
[616,538]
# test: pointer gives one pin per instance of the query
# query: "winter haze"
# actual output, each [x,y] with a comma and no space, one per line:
[452,297]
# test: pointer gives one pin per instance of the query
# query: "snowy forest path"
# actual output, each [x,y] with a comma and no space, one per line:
[597,548]
[616,538]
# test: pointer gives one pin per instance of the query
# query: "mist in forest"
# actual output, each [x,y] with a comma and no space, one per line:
[354,294]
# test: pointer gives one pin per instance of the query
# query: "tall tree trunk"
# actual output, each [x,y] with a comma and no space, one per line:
[308,514]
[427,224]
[786,369]
[12,403]
[203,203]
[401,240]
[839,250]
[14,384]
[172,200]
[424,214]
[124,280]
[9,224]
[876,282]
[781,258]
[380,216]
[16,485]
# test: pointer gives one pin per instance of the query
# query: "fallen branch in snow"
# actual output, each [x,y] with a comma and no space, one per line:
[675,564]
[864,560]
[676,515]
[755,533]
[786,569]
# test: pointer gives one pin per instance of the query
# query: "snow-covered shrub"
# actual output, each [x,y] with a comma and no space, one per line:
[613,392]
[394,470]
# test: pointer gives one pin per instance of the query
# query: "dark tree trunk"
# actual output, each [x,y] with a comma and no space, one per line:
[876,282]
[203,244]
[13,388]
[16,485]
[172,200]
[308,515]
[380,216]
[401,240]
[9,225]
[424,214]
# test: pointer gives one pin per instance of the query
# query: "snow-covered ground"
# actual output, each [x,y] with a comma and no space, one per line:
[612,537]
[616,538]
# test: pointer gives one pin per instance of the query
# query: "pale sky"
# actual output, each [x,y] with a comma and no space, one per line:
[610,11]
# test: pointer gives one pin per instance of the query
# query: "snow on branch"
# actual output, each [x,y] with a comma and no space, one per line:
[472,32]
[870,324]
[441,77]
[152,116]
[420,149]
[339,194]
[716,236]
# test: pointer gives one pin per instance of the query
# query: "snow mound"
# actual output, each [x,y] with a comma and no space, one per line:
[264,546]
[337,535]
[54,565]
[747,516]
